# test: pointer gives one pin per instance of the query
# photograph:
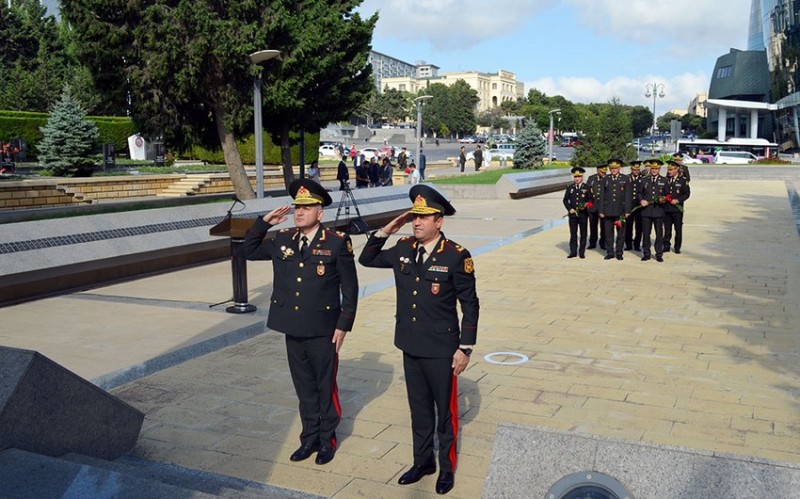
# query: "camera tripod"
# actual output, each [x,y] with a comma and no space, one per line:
[357,225]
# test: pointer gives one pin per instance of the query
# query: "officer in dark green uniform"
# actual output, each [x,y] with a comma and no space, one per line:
[314,298]
[432,274]
[614,205]
[652,194]
[594,215]
[577,200]
[677,193]
[633,228]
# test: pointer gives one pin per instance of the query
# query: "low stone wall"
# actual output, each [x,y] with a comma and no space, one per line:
[119,187]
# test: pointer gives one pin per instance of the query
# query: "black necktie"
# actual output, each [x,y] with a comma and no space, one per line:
[420,256]
[303,246]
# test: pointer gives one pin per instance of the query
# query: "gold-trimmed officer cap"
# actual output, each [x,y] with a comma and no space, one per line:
[678,155]
[429,201]
[671,165]
[306,192]
[603,167]
[636,165]
[577,171]
[615,163]
[651,162]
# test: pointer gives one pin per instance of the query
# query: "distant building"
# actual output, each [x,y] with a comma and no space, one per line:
[698,105]
[386,66]
[493,88]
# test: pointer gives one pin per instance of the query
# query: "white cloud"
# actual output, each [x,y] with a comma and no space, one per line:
[679,90]
[689,26]
[448,24]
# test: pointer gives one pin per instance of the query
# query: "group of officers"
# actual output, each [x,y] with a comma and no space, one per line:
[627,209]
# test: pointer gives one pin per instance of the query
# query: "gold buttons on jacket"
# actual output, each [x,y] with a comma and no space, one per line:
[417,279]
[296,308]
[297,293]
[414,292]
[414,306]
[413,319]
[299,279]
[302,265]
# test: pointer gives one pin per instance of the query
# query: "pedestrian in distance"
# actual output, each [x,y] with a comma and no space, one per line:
[313,303]
[343,174]
[313,171]
[413,175]
[478,157]
[462,158]
[432,275]
[422,164]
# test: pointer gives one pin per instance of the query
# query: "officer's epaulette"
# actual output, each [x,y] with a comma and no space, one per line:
[450,244]
[285,230]
[336,233]
[404,239]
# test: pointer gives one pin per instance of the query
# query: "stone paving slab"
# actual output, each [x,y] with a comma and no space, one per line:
[698,351]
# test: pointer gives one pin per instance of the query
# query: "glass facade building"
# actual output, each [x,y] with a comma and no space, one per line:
[775,28]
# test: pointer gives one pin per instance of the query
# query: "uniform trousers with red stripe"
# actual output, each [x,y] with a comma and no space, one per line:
[430,384]
[313,364]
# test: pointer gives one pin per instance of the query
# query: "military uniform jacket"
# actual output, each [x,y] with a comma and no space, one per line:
[614,198]
[427,320]
[576,196]
[635,183]
[594,185]
[311,295]
[653,190]
[678,188]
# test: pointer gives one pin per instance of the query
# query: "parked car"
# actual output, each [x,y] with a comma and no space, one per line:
[330,151]
[688,160]
[734,157]
[370,152]
[467,140]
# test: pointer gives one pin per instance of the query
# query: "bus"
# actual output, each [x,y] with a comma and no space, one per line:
[704,149]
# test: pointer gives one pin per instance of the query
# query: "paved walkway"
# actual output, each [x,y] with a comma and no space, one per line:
[700,351]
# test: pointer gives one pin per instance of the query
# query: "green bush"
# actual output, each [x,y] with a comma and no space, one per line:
[247,150]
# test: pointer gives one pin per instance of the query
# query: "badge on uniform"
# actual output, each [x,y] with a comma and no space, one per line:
[404,262]
[469,267]
[435,287]
[321,269]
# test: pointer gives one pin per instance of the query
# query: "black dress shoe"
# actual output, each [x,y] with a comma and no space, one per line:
[619,257]
[608,257]
[416,473]
[325,455]
[445,482]
[677,251]
[659,259]
[591,246]
[645,258]
[582,256]
[571,255]
[304,452]
[637,248]
[627,247]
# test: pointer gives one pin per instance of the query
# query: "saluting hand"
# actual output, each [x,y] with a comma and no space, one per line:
[278,215]
[395,225]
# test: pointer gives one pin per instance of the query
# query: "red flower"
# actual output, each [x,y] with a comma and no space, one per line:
[668,199]
[618,223]
[589,205]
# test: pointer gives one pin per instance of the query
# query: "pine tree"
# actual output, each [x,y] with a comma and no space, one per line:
[531,147]
[68,139]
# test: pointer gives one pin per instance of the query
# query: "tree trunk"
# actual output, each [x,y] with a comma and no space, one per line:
[233,160]
[286,157]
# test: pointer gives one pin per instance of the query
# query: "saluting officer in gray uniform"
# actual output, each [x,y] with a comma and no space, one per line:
[314,298]
[432,275]
[614,205]
[652,194]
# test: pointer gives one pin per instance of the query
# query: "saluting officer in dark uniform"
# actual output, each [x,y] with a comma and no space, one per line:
[683,170]
[312,267]
[614,202]
[678,191]
[431,273]
[594,215]
[652,193]
[576,197]
[633,228]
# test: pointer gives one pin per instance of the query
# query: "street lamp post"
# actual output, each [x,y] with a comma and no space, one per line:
[550,134]
[418,102]
[656,90]
[258,58]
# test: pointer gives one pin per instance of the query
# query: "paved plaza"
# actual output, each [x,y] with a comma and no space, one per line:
[700,351]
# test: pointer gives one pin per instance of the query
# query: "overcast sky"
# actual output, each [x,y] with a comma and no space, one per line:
[585,50]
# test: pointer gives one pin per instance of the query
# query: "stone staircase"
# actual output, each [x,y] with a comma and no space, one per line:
[24,474]
[189,185]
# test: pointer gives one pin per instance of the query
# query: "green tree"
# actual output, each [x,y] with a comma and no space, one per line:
[607,135]
[531,147]
[184,64]
[68,139]
[461,117]
[493,119]
[395,105]
[641,120]
[665,120]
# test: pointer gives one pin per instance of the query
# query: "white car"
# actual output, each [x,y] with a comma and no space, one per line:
[329,151]
[494,154]
[370,152]
[688,160]
[734,158]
